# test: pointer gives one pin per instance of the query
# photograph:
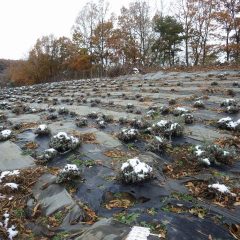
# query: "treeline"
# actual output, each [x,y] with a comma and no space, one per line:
[198,32]
[4,67]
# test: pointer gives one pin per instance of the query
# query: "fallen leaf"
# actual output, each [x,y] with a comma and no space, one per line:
[235,230]
[119,203]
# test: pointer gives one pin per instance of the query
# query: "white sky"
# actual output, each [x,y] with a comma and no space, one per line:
[22,22]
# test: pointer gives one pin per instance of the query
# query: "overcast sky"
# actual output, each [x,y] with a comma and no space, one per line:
[22,22]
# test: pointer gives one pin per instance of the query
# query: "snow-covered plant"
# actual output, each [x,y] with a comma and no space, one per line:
[3,105]
[236,84]
[111,103]
[157,144]
[68,173]
[107,118]
[47,155]
[130,106]
[228,102]
[52,116]
[31,110]
[81,122]
[123,120]
[73,114]
[214,83]
[128,134]
[213,154]
[153,107]
[3,117]
[228,123]
[63,111]
[5,134]
[55,101]
[188,118]
[199,104]
[230,92]
[101,123]
[220,189]
[42,129]
[232,109]
[93,104]
[164,109]
[97,101]
[138,111]
[139,124]
[92,115]
[84,100]
[151,113]
[63,143]
[135,70]
[134,171]
[18,109]
[172,101]
[230,105]
[167,128]
[51,109]
[179,111]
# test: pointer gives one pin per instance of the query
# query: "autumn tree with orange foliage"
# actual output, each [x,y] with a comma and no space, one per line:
[20,73]
[228,17]
[50,59]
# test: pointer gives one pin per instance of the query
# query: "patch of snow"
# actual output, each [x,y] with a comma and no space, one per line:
[12,232]
[225,153]
[6,133]
[181,109]
[11,185]
[50,150]
[135,70]
[206,161]
[220,187]
[173,126]
[42,127]
[2,196]
[198,151]
[131,131]
[8,173]
[223,120]
[62,135]
[159,139]
[151,112]
[200,102]
[233,124]
[162,123]
[6,216]
[74,139]
[70,167]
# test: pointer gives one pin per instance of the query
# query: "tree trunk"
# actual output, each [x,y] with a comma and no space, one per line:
[204,52]
[186,51]
[227,45]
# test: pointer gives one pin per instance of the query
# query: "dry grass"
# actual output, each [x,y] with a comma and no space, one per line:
[15,207]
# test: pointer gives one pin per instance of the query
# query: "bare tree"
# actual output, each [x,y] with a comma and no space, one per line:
[86,22]
[202,27]
[186,15]
[135,21]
